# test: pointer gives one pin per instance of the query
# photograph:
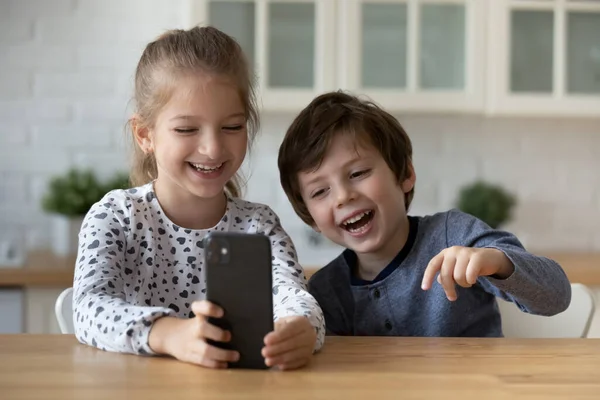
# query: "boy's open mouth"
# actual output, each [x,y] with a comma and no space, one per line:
[357,222]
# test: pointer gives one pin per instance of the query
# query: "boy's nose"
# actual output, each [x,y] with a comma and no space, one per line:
[344,195]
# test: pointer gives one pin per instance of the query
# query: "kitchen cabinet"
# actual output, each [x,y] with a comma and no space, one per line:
[414,55]
[489,57]
[544,57]
[289,43]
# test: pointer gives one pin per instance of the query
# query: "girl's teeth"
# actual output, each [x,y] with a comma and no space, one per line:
[201,167]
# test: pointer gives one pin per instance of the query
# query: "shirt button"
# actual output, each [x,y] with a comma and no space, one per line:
[376,293]
[388,325]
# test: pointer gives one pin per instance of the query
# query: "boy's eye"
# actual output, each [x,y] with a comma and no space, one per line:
[233,128]
[317,193]
[358,174]
[185,130]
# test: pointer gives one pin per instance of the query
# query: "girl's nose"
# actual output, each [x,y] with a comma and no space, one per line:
[210,144]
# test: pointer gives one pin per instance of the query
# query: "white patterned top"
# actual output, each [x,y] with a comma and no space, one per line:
[134,266]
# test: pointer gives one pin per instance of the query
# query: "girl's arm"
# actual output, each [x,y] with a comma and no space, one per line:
[290,295]
[103,317]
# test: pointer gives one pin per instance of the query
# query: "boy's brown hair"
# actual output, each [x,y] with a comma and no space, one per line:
[307,141]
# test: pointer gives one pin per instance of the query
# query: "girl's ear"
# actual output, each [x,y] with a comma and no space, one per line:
[142,134]
[409,183]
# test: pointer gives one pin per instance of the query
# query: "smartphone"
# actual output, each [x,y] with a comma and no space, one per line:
[239,279]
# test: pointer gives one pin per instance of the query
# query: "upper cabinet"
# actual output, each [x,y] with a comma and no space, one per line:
[414,55]
[289,42]
[499,57]
[544,57]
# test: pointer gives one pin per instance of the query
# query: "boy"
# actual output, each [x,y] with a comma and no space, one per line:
[346,167]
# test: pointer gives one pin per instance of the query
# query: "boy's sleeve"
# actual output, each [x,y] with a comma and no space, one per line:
[290,295]
[538,285]
[102,316]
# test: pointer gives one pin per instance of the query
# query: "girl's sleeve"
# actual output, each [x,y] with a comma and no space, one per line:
[102,316]
[290,294]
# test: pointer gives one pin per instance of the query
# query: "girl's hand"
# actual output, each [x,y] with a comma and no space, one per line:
[186,339]
[291,344]
[463,265]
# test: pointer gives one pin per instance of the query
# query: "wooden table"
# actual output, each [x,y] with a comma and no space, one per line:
[58,367]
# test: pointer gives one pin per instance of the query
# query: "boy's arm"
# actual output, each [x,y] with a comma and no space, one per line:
[538,285]
[290,295]
[102,316]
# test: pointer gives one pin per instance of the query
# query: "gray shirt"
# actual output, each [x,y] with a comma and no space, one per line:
[397,306]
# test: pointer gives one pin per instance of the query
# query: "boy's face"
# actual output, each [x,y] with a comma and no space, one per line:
[355,199]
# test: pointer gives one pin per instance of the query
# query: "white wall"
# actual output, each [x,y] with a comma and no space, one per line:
[67,68]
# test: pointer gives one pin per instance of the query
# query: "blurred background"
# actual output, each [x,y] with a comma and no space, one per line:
[501,99]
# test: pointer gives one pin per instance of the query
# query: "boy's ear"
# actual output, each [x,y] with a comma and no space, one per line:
[409,183]
[142,134]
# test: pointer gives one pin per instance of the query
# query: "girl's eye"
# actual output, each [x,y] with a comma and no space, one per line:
[359,173]
[233,128]
[185,130]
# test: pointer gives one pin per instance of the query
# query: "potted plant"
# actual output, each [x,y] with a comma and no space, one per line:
[68,199]
[490,203]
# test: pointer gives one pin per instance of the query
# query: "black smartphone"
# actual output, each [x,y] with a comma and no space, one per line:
[239,279]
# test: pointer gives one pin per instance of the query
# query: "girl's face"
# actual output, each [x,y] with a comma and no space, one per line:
[200,138]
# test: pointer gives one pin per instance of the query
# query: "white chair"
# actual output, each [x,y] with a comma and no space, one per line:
[63,308]
[574,322]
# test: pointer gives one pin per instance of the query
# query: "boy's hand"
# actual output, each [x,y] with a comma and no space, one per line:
[185,339]
[462,265]
[291,344]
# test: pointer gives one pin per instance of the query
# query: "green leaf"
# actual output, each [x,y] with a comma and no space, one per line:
[73,193]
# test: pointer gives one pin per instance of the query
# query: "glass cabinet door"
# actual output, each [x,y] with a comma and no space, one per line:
[583,53]
[531,51]
[387,33]
[384,45]
[442,54]
[238,19]
[291,44]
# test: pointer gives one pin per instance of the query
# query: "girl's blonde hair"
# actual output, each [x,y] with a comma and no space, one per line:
[177,53]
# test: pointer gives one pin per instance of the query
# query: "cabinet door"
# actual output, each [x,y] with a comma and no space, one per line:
[424,55]
[583,52]
[238,19]
[532,51]
[289,42]
[384,45]
[11,311]
[544,57]
[442,46]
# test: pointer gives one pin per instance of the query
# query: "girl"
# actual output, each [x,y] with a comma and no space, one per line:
[139,280]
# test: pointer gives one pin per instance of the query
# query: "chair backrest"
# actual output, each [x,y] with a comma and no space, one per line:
[574,322]
[63,308]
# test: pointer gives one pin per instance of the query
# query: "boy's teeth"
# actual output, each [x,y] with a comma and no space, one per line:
[356,218]
[206,168]
[357,230]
